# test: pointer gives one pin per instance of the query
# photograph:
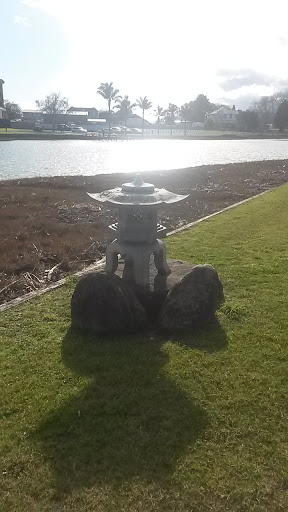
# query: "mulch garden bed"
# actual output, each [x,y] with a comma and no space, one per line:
[50,227]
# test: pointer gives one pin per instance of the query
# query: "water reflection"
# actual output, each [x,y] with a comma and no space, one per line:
[74,157]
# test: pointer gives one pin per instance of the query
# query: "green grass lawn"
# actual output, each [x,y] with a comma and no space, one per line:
[194,133]
[15,130]
[12,131]
[197,422]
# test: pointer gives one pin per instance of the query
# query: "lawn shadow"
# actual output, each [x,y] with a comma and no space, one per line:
[131,420]
[210,338]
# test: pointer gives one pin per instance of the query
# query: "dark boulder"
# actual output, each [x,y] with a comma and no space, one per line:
[106,304]
[193,301]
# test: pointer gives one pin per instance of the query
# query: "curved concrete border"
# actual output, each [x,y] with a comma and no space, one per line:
[30,295]
[101,262]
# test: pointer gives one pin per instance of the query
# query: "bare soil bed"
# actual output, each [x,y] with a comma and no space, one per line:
[50,227]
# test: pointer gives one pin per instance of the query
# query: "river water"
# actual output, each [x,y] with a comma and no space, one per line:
[32,158]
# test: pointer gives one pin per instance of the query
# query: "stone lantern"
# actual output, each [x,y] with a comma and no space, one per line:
[137,230]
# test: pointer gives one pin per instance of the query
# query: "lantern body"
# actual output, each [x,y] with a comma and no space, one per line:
[138,224]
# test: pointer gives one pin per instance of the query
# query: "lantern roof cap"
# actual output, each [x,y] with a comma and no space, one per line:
[137,193]
[138,186]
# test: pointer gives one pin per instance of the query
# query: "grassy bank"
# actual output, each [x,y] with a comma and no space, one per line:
[194,422]
[21,134]
[13,134]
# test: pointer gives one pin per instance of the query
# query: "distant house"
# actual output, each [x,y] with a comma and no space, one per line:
[225,118]
[135,121]
[52,121]
[31,115]
[91,112]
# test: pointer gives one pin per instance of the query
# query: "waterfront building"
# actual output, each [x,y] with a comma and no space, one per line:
[224,118]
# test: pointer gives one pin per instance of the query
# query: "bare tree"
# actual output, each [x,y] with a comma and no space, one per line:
[281,117]
[267,107]
[53,103]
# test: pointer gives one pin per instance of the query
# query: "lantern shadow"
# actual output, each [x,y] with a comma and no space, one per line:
[130,421]
[209,338]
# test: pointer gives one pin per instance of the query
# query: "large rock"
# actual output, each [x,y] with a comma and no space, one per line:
[193,301]
[106,304]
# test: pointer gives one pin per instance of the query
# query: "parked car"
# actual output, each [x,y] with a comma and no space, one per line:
[78,129]
[105,133]
[118,129]
[64,128]
[135,131]
[115,132]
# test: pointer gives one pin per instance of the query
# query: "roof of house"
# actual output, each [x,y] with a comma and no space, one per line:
[226,107]
[78,112]
[218,109]
[32,111]
[80,109]
[98,121]
[135,116]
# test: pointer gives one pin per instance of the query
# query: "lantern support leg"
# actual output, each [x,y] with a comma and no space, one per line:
[160,259]
[137,260]
[112,258]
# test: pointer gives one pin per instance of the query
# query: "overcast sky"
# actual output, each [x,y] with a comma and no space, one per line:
[169,51]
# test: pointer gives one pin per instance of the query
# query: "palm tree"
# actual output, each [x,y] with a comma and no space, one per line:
[125,108]
[171,112]
[159,113]
[185,114]
[144,104]
[107,91]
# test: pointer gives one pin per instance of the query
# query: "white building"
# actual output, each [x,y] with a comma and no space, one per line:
[224,118]
[2,113]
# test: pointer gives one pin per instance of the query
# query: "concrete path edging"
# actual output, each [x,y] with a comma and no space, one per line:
[101,263]
[191,224]
[31,295]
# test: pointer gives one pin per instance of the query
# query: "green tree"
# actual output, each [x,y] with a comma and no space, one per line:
[201,107]
[185,113]
[53,103]
[107,91]
[12,109]
[171,114]
[125,109]
[144,104]
[281,116]
[159,113]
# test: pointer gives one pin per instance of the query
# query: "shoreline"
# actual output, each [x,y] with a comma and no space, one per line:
[95,137]
[51,228]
